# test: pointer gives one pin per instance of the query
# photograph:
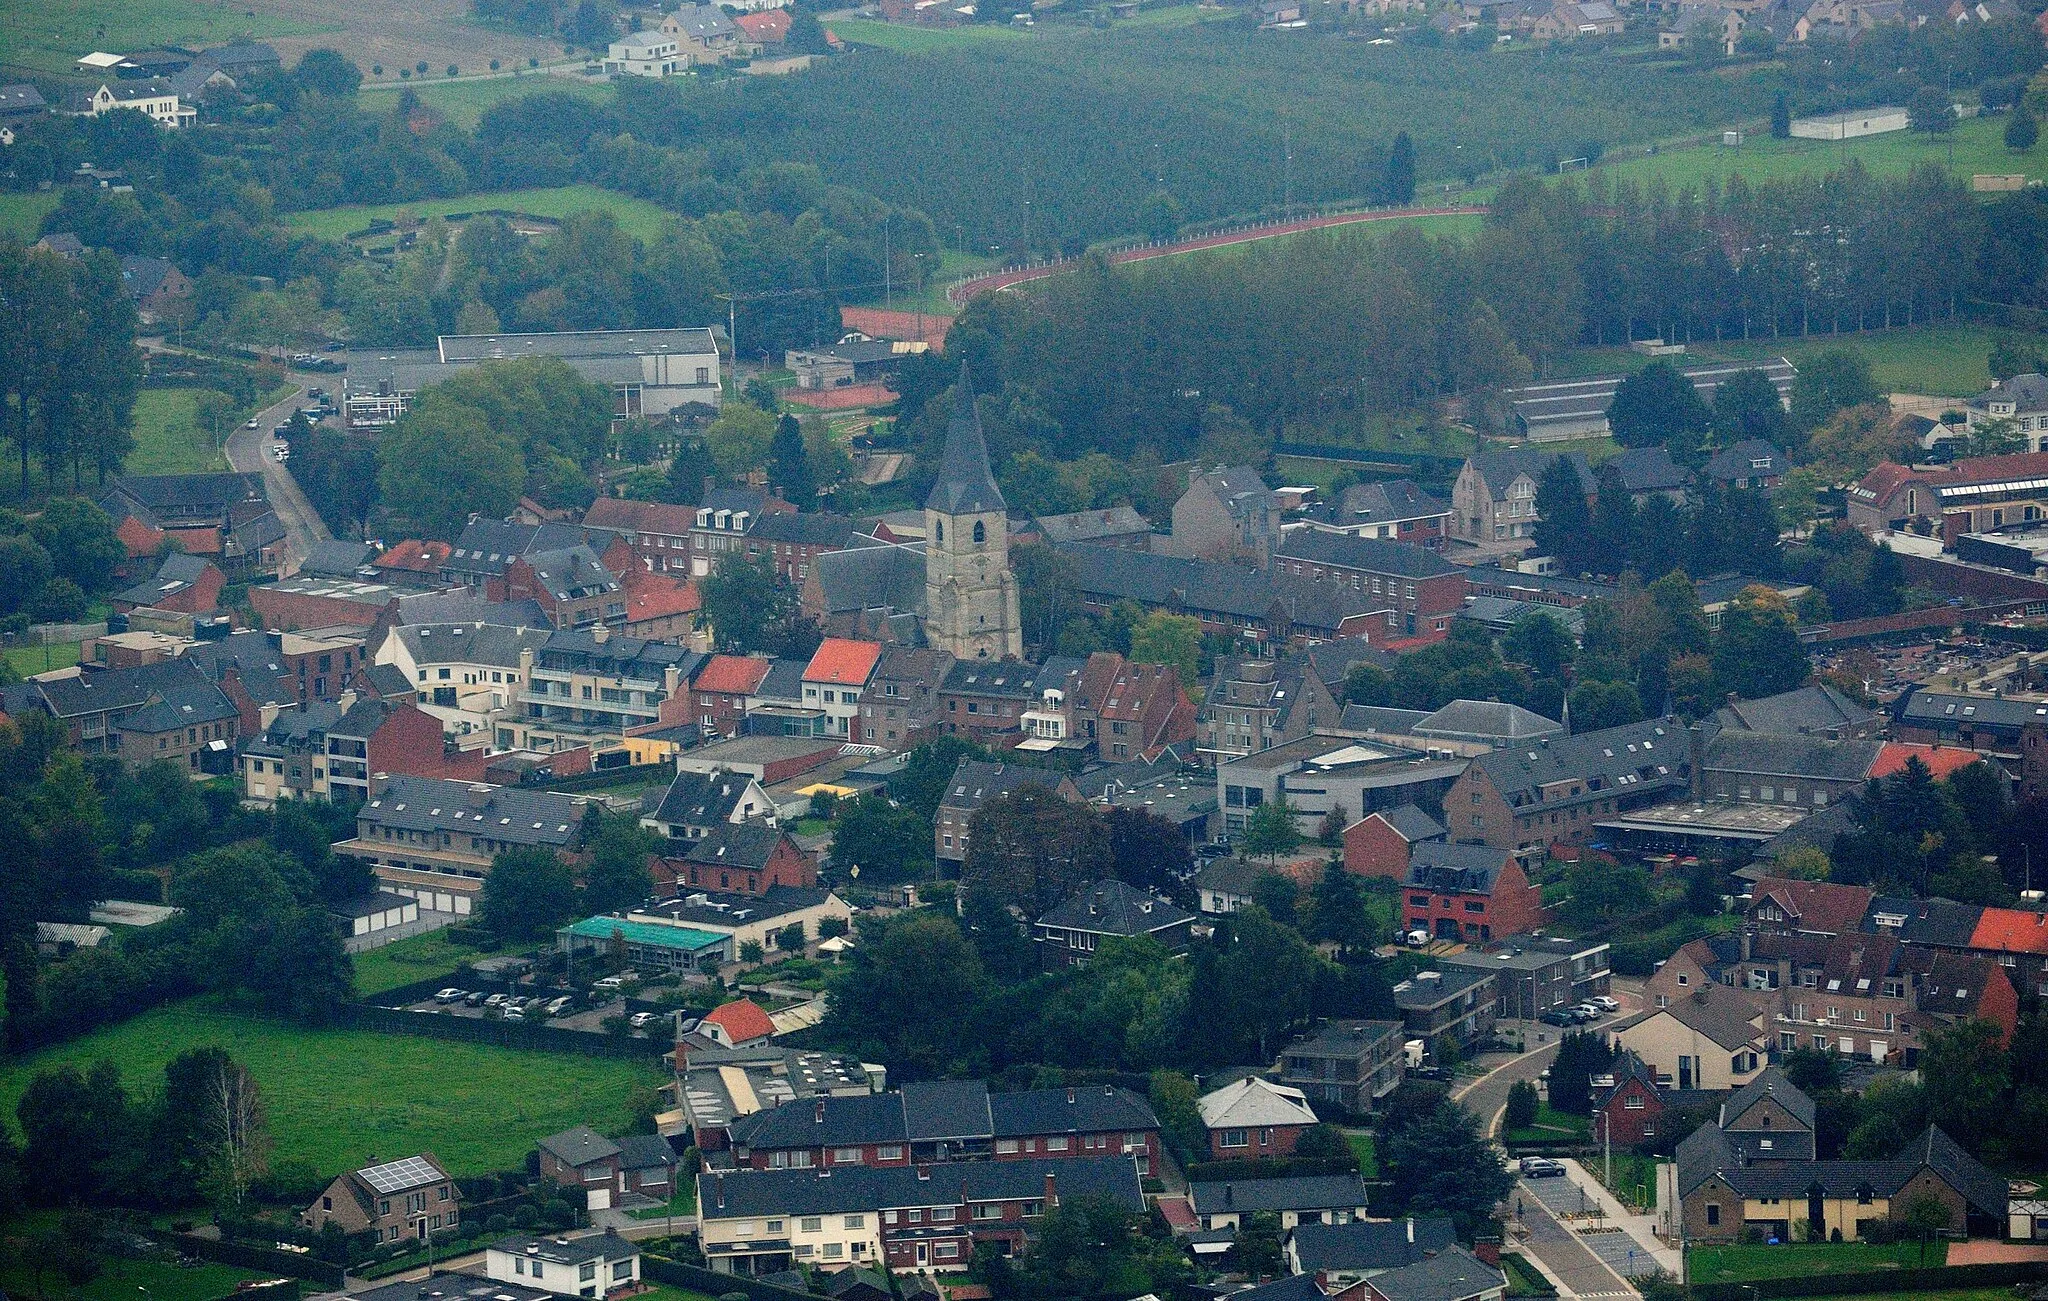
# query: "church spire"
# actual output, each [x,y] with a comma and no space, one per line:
[964,485]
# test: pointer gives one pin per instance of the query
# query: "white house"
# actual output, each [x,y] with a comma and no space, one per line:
[593,1266]
[153,97]
[468,674]
[646,54]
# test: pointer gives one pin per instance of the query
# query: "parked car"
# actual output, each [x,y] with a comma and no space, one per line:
[475,998]
[495,1000]
[1604,1003]
[1559,1016]
[449,995]
[1588,1012]
[1418,938]
[610,984]
[561,1005]
[514,1014]
[640,1019]
[1540,1167]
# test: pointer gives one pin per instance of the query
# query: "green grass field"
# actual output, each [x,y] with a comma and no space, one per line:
[1799,1260]
[118,1280]
[21,215]
[905,39]
[409,960]
[1975,146]
[41,659]
[1551,1126]
[463,102]
[337,1097]
[50,38]
[637,217]
[168,439]
[683,1203]
[1363,1146]
[1947,360]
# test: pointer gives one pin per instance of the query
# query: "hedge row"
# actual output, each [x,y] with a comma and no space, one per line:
[267,1260]
[695,1278]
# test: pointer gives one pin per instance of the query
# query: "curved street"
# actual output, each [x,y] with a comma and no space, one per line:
[248,452]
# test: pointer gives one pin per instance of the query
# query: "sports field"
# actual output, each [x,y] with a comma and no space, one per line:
[637,217]
[338,1097]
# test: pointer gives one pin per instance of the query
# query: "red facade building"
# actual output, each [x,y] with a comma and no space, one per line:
[1473,893]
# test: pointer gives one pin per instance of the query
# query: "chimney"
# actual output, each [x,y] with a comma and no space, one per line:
[1411,1230]
[821,1111]
[720,1182]
[1070,1097]
[1488,1251]
[1052,1190]
[1229,1194]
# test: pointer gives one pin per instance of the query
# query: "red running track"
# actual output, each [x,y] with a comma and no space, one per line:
[967,289]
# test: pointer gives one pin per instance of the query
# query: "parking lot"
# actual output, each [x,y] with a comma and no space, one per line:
[578,1016]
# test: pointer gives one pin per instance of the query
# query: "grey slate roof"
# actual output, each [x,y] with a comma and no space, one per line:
[488,545]
[1411,823]
[1370,1244]
[703,22]
[1092,525]
[964,486]
[572,572]
[1709,1153]
[177,573]
[1648,469]
[646,1152]
[1294,1287]
[1808,758]
[975,783]
[1374,555]
[1454,869]
[1499,469]
[808,528]
[948,1109]
[1719,1013]
[1083,1109]
[468,605]
[1010,679]
[747,846]
[1939,923]
[1772,1084]
[1177,582]
[469,643]
[1738,462]
[1385,503]
[1230,876]
[1804,709]
[1436,987]
[696,799]
[1487,720]
[20,99]
[2005,715]
[569,1251]
[1293,1193]
[1114,908]
[2029,393]
[1634,759]
[504,813]
[872,575]
[1381,718]
[336,558]
[1454,1273]
[579,1146]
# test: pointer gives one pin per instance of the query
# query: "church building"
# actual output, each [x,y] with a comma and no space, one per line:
[970,593]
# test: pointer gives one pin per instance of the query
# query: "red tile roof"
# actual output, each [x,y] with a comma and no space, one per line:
[140,539]
[640,516]
[843,661]
[769,25]
[742,1020]
[1819,906]
[1990,469]
[1942,761]
[1881,482]
[415,556]
[847,397]
[732,675]
[2011,930]
[656,596]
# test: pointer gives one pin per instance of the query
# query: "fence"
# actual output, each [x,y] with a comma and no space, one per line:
[264,1259]
[1944,1279]
[58,634]
[1425,463]
[502,1034]
[695,1278]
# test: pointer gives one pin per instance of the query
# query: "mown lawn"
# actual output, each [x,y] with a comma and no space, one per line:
[168,439]
[1363,1146]
[1944,360]
[464,102]
[1799,1260]
[408,960]
[338,1097]
[118,1280]
[1551,1126]
[683,1203]
[49,38]
[41,659]
[905,39]
[637,217]
[21,215]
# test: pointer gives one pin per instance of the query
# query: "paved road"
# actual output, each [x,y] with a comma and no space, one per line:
[1564,1254]
[249,453]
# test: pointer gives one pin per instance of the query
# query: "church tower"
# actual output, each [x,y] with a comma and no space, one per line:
[970,594]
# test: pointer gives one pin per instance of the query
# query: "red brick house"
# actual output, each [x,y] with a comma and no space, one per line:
[737,1024]
[409,1199]
[1254,1118]
[1421,589]
[1379,844]
[1128,710]
[719,693]
[749,858]
[1631,1108]
[657,533]
[182,583]
[1475,893]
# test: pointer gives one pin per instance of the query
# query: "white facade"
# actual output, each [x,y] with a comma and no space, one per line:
[162,106]
[578,1267]
[1850,125]
[646,54]
[460,682]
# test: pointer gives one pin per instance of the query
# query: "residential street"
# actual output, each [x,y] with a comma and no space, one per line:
[248,451]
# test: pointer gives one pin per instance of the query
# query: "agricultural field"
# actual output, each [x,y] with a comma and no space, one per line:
[1976,146]
[46,39]
[168,439]
[465,100]
[905,39]
[337,1097]
[1947,360]
[21,215]
[637,217]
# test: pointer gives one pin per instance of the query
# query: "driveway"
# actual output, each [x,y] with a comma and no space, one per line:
[1566,1257]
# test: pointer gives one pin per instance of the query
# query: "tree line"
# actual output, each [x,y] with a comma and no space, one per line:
[1329,333]
[69,369]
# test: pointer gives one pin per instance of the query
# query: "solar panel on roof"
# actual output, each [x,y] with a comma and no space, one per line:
[393,1176]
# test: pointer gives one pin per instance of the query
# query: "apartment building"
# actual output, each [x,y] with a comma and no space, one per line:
[469,675]
[434,840]
[582,687]
[1348,1064]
